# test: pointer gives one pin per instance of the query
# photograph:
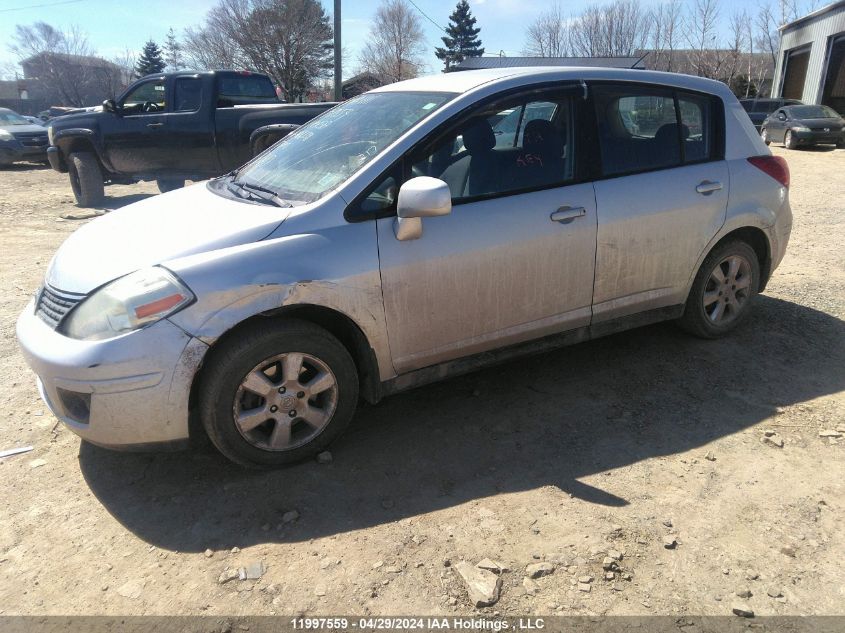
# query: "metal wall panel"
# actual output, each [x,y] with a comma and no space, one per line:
[816,31]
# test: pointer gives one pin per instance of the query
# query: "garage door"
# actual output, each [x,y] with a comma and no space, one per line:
[795,74]
[834,81]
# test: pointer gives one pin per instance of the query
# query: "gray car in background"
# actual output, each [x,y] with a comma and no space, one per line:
[20,139]
[402,237]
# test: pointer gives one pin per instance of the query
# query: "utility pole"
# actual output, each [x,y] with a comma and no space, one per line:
[338,87]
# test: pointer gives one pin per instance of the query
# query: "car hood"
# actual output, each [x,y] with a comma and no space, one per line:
[184,222]
[814,123]
[27,129]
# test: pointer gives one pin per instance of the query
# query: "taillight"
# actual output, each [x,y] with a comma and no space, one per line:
[774,166]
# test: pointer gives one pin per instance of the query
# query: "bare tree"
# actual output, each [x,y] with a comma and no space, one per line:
[394,50]
[205,48]
[290,40]
[548,34]
[62,60]
[667,33]
[126,63]
[620,28]
[702,25]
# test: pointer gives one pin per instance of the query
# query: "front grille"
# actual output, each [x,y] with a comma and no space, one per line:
[32,139]
[54,304]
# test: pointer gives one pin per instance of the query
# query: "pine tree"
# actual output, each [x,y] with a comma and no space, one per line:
[461,39]
[150,61]
[173,51]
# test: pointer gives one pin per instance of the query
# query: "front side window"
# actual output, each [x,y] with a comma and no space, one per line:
[323,153]
[522,144]
[648,128]
[150,96]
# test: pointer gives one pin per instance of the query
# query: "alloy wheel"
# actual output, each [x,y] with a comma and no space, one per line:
[728,289]
[285,401]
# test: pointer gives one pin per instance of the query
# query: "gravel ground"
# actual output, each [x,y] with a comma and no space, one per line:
[646,446]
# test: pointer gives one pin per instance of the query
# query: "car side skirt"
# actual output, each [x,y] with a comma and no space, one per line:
[468,364]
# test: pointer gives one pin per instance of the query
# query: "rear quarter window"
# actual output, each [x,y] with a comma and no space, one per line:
[235,90]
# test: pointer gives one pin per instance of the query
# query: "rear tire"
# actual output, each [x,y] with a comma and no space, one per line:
[789,141]
[170,184]
[721,296]
[86,179]
[765,136]
[277,392]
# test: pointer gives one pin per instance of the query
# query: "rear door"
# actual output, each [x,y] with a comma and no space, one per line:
[189,143]
[514,260]
[662,195]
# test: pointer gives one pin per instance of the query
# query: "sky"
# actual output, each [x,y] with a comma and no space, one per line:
[115,25]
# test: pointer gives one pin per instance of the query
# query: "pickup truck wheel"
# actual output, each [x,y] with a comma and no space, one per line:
[170,184]
[277,393]
[86,179]
[722,293]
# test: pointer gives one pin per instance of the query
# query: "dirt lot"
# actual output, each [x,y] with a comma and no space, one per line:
[610,445]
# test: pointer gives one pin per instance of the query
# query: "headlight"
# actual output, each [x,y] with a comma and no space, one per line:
[126,304]
[800,128]
[50,134]
[5,135]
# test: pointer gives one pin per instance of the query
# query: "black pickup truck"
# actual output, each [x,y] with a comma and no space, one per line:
[170,128]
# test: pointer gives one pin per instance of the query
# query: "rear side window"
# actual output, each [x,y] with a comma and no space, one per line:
[648,128]
[242,89]
[187,95]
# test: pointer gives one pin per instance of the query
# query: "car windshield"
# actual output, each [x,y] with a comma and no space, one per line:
[812,112]
[320,155]
[12,118]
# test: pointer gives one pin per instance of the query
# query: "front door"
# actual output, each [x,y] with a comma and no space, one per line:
[134,137]
[662,197]
[515,258]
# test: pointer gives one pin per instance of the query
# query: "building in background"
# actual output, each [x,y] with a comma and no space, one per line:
[811,59]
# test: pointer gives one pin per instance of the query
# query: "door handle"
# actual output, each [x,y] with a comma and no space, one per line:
[708,186]
[155,124]
[565,215]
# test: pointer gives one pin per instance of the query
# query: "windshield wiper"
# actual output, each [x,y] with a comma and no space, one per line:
[259,193]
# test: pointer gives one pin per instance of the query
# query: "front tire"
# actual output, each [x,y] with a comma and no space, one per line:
[86,179]
[170,184]
[789,141]
[765,135]
[724,287]
[278,392]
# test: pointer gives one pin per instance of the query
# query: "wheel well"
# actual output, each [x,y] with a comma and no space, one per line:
[72,145]
[757,240]
[338,324]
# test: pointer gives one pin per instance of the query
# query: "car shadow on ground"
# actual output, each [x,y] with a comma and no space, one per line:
[111,202]
[25,167]
[550,419]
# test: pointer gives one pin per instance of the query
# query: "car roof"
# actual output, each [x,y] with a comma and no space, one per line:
[464,81]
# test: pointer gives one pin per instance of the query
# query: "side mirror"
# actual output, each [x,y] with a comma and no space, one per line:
[421,197]
[110,106]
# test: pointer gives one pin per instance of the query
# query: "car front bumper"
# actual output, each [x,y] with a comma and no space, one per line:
[128,392]
[55,159]
[13,151]
[820,137]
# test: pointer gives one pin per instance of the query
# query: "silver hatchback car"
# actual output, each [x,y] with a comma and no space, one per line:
[417,231]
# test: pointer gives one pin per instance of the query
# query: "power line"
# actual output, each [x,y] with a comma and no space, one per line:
[426,16]
[40,6]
